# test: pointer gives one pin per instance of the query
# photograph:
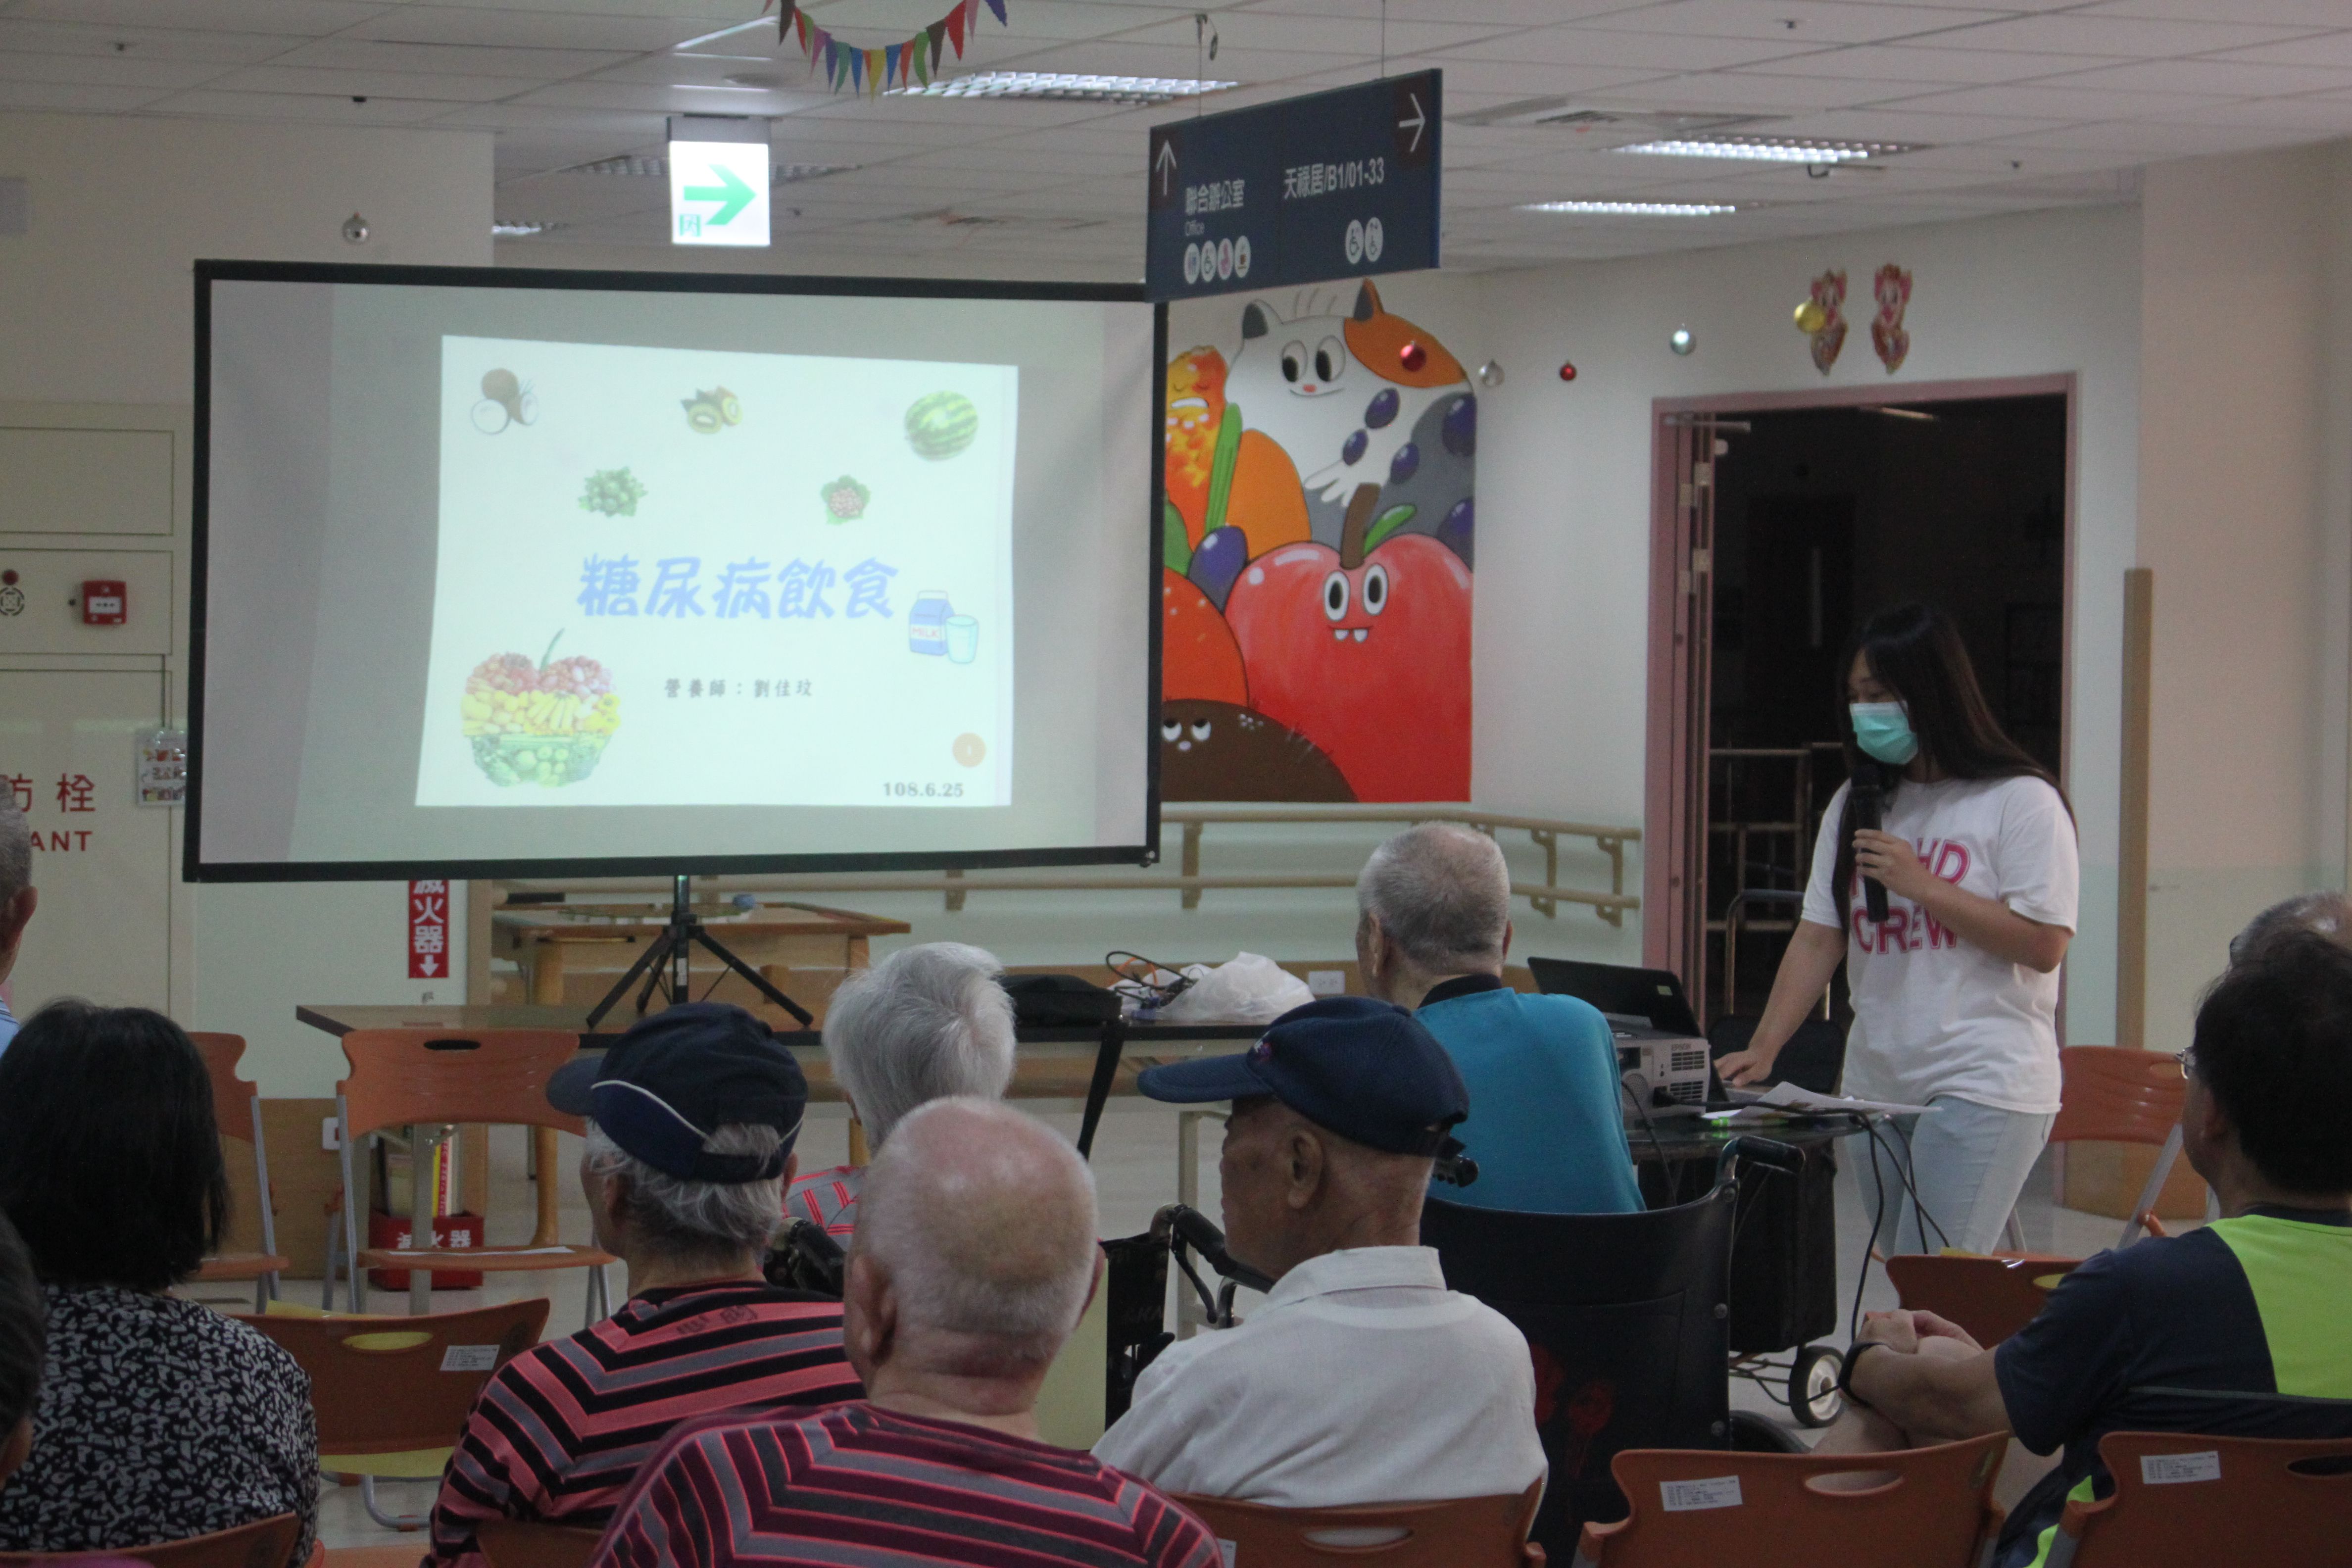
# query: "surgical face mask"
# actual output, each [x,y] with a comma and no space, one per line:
[1882,729]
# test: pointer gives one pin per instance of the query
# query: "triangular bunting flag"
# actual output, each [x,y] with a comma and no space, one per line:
[936,32]
[787,10]
[922,60]
[832,65]
[971,18]
[955,30]
[890,53]
[856,69]
[998,6]
[874,70]
[800,21]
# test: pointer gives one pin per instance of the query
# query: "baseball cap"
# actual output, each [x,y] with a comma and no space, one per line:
[1368,1071]
[677,1077]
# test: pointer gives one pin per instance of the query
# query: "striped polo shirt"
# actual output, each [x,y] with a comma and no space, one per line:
[860,1487]
[827,1198]
[563,1428]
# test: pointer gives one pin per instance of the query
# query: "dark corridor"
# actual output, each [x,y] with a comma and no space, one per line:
[1823,517]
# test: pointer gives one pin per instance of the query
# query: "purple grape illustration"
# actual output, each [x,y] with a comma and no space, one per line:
[1223,553]
[1381,409]
[1352,449]
[1460,431]
[1404,464]
[1456,533]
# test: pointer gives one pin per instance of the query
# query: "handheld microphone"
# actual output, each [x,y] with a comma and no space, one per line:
[1866,808]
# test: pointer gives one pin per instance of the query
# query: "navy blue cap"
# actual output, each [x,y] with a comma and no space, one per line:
[678,1077]
[1368,1071]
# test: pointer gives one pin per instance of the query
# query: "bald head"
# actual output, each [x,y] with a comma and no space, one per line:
[1441,893]
[983,1221]
[2327,915]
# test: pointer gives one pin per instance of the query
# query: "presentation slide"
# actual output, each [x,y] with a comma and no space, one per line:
[766,565]
[501,574]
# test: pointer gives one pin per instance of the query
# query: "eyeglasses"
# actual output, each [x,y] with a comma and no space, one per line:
[2187,1060]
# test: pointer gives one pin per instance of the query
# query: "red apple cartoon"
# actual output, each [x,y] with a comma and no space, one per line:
[1365,652]
[1197,656]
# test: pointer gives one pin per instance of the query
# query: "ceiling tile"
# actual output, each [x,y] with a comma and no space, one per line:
[1645,51]
[2126,37]
[529,29]
[1739,90]
[2281,13]
[1906,123]
[381,54]
[110,71]
[1815,22]
[1905,62]
[371,85]
[2219,78]
[301,107]
[296,17]
[2328,49]
[146,43]
[2152,140]
[2054,103]
[91,98]
[1524,13]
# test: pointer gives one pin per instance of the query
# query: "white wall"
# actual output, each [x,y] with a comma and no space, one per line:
[2246,317]
[1564,480]
[96,306]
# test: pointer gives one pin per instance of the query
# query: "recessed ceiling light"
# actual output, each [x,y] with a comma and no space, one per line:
[1770,149]
[762,81]
[1635,209]
[1893,412]
[1049,85]
[518,228]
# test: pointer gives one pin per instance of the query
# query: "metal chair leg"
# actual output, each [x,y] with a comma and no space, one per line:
[2013,1235]
[389,1521]
[599,1304]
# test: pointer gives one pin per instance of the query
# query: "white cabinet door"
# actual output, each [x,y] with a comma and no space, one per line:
[102,862]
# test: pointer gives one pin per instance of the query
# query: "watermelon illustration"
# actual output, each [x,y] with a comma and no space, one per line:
[942,425]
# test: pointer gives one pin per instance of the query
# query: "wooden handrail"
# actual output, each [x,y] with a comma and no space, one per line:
[1190,883]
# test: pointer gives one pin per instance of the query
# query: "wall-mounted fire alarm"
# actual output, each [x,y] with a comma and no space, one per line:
[104,604]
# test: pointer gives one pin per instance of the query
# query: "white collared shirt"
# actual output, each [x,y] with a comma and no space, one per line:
[1360,1379]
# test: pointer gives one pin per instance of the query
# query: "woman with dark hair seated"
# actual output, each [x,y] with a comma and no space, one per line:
[158,1419]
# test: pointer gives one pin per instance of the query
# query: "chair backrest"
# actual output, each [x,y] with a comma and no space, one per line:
[394,1385]
[1992,1298]
[265,1543]
[1459,1533]
[1626,1316]
[2183,1500]
[232,1096]
[522,1543]
[403,1076]
[2116,1094]
[1927,1508]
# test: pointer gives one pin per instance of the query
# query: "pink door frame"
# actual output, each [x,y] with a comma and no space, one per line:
[1661,869]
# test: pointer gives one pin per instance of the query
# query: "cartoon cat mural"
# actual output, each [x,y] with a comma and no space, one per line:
[1321,507]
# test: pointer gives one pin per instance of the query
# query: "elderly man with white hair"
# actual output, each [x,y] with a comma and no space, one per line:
[973,1261]
[1545,1125]
[16,898]
[928,1023]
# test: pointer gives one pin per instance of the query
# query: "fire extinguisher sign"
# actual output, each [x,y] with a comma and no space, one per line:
[428,931]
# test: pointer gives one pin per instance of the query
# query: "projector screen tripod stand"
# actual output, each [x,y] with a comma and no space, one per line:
[664,964]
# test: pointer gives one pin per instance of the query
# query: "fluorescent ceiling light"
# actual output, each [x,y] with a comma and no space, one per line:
[722,33]
[1767,150]
[518,228]
[645,166]
[1044,84]
[1635,209]
[1893,412]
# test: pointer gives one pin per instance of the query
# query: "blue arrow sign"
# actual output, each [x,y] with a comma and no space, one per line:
[1334,185]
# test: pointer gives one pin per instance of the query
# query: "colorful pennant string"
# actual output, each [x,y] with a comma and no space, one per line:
[893,65]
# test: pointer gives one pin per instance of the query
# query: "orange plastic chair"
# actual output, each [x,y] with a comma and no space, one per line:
[230,1093]
[1459,1533]
[264,1543]
[1768,1510]
[430,1082]
[520,1543]
[2115,1094]
[2181,1499]
[398,1390]
[1991,1298]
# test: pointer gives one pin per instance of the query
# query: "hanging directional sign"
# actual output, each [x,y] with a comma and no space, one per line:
[719,180]
[1334,185]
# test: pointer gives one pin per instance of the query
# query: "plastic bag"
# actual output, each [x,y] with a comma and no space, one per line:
[1250,990]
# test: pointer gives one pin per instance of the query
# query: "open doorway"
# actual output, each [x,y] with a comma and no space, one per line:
[1787,525]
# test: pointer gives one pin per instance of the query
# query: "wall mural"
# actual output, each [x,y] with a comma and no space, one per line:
[1319,545]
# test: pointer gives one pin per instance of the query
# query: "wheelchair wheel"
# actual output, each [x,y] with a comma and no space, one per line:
[1813,1397]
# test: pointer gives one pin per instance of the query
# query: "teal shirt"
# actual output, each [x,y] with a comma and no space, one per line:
[1545,1125]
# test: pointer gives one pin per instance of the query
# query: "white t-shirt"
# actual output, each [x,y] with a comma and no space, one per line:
[1360,1378]
[1933,1015]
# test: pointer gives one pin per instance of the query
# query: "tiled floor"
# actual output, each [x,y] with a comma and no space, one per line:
[1135,1168]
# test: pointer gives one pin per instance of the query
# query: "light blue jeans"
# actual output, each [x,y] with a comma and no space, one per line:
[1967,1164]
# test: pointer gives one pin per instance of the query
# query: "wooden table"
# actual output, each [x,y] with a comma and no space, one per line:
[571,953]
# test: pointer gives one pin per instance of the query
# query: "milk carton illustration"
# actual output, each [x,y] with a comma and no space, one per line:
[926,623]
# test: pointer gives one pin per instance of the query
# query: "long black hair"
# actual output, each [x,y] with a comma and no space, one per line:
[109,1159]
[1916,651]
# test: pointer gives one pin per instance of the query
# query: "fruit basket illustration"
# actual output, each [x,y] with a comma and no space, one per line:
[543,723]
